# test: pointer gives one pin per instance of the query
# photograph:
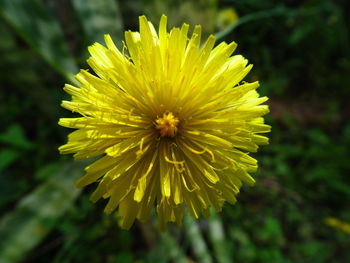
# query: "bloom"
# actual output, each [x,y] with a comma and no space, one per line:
[171,121]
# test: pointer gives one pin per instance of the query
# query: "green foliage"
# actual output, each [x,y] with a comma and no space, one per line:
[34,23]
[301,55]
[104,18]
[36,214]
[15,142]
[301,48]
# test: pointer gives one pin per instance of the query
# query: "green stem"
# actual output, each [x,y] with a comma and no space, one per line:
[278,11]
[199,246]
[217,237]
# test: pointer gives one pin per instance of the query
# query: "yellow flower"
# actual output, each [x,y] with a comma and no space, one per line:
[338,224]
[226,17]
[172,122]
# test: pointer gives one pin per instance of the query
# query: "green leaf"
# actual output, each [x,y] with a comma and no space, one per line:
[34,23]
[7,157]
[47,170]
[36,214]
[98,18]
[14,136]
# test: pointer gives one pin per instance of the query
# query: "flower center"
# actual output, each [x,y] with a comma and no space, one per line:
[167,125]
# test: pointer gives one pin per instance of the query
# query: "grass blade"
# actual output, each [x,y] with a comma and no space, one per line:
[35,215]
[34,23]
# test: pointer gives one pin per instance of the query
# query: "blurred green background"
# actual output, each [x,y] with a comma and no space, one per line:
[301,53]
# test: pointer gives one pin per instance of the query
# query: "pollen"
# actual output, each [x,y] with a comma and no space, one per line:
[167,125]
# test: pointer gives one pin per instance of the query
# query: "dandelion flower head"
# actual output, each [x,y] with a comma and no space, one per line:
[170,120]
